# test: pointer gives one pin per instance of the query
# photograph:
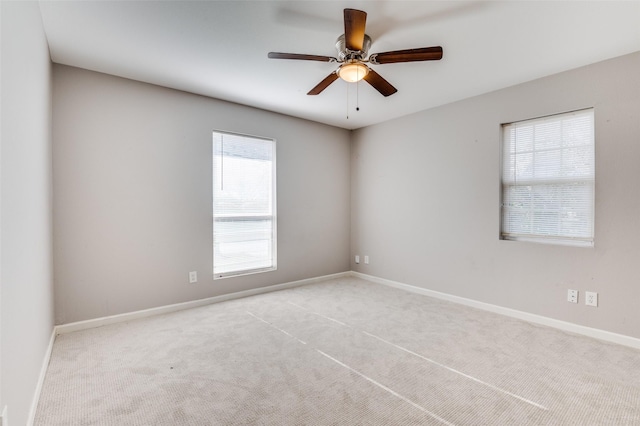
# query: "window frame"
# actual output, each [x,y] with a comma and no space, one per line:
[249,217]
[587,242]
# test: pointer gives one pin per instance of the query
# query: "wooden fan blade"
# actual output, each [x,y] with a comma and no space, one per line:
[380,84]
[355,22]
[324,84]
[279,55]
[408,55]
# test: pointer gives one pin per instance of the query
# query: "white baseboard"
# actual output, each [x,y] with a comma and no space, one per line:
[608,336]
[98,322]
[43,373]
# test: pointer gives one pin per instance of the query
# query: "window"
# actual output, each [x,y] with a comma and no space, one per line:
[244,205]
[548,179]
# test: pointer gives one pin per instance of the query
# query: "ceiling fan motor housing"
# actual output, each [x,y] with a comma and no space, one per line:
[345,54]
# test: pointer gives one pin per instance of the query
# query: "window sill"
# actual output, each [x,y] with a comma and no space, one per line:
[550,241]
[242,273]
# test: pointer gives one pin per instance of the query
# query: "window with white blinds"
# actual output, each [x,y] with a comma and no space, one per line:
[548,179]
[244,204]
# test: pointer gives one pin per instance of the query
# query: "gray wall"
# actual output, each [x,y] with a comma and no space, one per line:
[132,195]
[426,189]
[26,281]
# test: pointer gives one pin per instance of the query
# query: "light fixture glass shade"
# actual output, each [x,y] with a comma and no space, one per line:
[353,72]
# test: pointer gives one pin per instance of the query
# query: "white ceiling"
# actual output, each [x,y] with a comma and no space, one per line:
[219,48]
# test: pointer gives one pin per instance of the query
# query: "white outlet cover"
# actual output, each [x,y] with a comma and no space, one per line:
[572,296]
[591,298]
[193,277]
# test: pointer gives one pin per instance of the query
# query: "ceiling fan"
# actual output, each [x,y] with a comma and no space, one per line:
[353,47]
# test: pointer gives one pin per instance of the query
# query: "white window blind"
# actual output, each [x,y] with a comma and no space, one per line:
[548,179]
[244,205]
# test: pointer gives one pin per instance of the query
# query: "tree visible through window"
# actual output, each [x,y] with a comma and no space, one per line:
[244,205]
[548,179]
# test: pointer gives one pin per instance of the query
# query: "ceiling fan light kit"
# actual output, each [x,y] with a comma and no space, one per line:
[353,71]
[353,48]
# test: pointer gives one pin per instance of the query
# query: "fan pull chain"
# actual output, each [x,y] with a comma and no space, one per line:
[358,95]
[347,85]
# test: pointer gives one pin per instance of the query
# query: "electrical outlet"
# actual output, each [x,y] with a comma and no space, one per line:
[193,277]
[366,260]
[357,259]
[572,296]
[591,298]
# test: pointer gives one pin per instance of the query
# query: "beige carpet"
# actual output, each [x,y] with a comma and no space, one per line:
[342,352]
